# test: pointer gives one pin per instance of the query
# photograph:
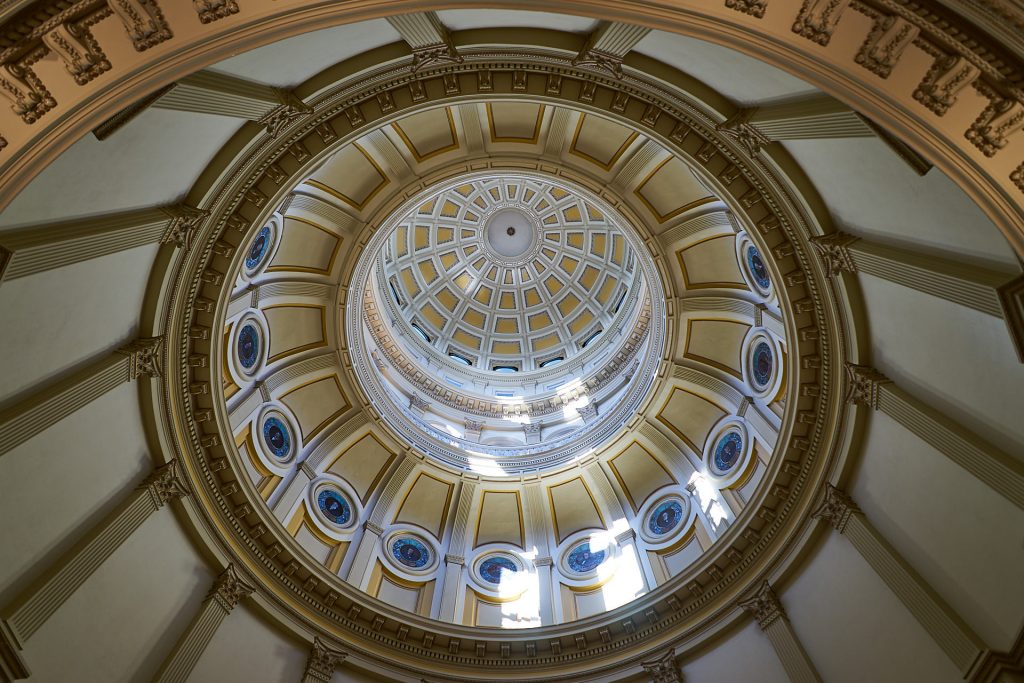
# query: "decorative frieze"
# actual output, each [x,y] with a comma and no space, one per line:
[1002,117]
[944,82]
[143,21]
[754,8]
[212,10]
[818,19]
[77,49]
[885,44]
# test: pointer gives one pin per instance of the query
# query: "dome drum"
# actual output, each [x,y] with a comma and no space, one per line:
[775,221]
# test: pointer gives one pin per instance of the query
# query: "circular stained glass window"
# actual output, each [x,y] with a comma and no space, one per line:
[248,346]
[583,559]
[258,249]
[665,517]
[762,362]
[410,552]
[277,438]
[757,268]
[728,451]
[334,506]
[493,568]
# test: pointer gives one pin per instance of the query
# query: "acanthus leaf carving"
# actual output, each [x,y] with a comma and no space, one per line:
[944,82]
[884,45]
[754,8]
[143,21]
[818,19]
[291,108]
[165,483]
[230,588]
[764,605]
[863,385]
[322,662]
[28,96]
[82,56]
[836,508]
[145,357]
[1001,118]
[212,10]
[834,250]
[185,222]
[664,669]
[739,128]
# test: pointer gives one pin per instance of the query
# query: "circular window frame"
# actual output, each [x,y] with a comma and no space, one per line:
[278,466]
[575,579]
[653,541]
[772,390]
[743,242]
[335,531]
[276,226]
[241,375]
[524,569]
[410,573]
[739,470]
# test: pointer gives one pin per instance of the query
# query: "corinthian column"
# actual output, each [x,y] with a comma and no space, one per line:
[228,589]
[322,662]
[664,669]
[949,631]
[30,610]
[766,608]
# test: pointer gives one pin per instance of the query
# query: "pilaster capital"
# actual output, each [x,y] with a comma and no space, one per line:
[442,53]
[739,128]
[165,483]
[543,562]
[863,384]
[834,251]
[454,559]
[664,669]
[374,528]
[322,662]
[626,536]
[291,108]
[589,56]
[229,588]
[145,357]
[764,605]
[836,509]
[185,222]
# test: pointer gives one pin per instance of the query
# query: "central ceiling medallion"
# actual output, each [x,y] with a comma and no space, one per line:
[508,322]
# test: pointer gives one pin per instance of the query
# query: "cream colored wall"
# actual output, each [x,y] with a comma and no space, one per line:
[758,661]
[854,628]
[963,538]
[246,648]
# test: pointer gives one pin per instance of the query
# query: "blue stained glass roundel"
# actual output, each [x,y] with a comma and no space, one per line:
[727,451]
[277,438]
[665,517]
[757,268]
[762,362]
[258,249]
[334,506]
[493,568]
[248,346]
[582,559]
[410,552]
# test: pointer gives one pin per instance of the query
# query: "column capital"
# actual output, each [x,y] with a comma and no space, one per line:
[374,528]
[322,662]
[863,384]
[229,588]
[834,251]
[185,222]
[739,128]
[165,483]
[291,108]
[764,605]
[454,559]
[145,357]
[664,669]
[836,509]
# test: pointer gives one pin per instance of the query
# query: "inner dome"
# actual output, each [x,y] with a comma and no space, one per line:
[506,322]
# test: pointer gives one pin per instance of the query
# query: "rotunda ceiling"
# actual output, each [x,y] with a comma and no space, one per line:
[506,362]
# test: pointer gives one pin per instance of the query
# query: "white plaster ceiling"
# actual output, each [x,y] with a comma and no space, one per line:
[742,79]
[464,19]
[289,62]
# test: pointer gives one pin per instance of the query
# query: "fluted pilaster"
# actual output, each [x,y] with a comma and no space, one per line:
[984,460]
[454,561]
[771,617]
[946,627]
[322,662]
[227,591]
[36,604]
[23,419]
